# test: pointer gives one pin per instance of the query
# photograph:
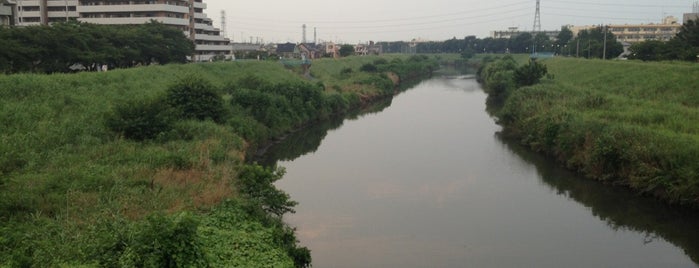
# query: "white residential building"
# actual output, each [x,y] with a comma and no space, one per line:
[635,33]
[187,15]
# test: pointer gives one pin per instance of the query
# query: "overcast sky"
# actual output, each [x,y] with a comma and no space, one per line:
[437,20]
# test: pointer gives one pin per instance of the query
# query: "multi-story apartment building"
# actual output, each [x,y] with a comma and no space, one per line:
[7,12]
[187,15]
[635,33]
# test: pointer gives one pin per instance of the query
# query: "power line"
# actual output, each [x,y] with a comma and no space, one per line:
[616,5]
[442,15]
[598,17]
[423,23]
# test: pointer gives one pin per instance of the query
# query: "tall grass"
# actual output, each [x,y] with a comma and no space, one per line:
[627,123]
[72,189]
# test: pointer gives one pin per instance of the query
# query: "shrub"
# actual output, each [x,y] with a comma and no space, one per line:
[159,241]
[252,82]
[380,61]
[195,98]
[336,103]
[346,71]
[530,74]
[140,120]
[257,184]
[369,68]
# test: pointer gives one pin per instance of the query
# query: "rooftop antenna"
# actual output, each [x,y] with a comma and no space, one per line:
[223,24]
[537,18]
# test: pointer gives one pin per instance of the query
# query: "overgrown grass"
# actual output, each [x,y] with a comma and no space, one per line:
[76,189]
[623,122]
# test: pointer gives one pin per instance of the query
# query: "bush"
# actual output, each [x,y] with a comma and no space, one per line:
[140,120]
[498,77]
[159,241]
[530,74]
[369,68]
[256,183]
[195,98]
[346,71]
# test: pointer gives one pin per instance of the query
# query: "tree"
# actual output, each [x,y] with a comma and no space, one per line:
[346,50]
[592,43]
[652,50]
[521,43]
[530,74]
[689,33]
[687,41]
[543,43]
[563,39]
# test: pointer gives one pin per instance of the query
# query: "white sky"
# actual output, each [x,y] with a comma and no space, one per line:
[437,20]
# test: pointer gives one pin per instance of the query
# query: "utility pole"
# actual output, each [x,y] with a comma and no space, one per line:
[604,53]
[577,49]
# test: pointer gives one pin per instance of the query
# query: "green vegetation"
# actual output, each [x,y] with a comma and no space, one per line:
[145,167]
[625,123]
[62,46]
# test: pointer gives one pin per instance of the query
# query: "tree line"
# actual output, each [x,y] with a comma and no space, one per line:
[598,42]
[71,46]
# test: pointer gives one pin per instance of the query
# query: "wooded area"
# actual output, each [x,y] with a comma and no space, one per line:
[73,46]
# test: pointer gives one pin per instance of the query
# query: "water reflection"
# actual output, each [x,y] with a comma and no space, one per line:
[620,208]
[307,140]
[426,184]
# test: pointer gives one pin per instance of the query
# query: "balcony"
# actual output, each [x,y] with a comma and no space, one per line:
[136,20]
[61,3]
[133,8]
[63,14]
[207,37]
[221,48]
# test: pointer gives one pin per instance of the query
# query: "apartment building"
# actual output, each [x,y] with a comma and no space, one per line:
[7,12]
[187,15]
[635,33]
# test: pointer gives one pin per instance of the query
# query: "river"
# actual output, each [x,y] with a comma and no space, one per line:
[424,180]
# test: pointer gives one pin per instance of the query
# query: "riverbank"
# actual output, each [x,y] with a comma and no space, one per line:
[621,122]
[84,181]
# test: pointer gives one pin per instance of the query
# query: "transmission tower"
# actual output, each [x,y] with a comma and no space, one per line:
[695,9]
[223,24]
[537,18]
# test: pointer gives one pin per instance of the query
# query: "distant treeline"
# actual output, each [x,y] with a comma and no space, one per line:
[69,46]
[586,44]
[591,44]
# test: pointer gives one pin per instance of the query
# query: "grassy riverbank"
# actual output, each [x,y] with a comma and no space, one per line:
[124,168]
[622,122]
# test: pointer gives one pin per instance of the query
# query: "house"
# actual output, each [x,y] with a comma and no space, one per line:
[247,50]
[309,51]
[331,49]
[368,49]
[286,51]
